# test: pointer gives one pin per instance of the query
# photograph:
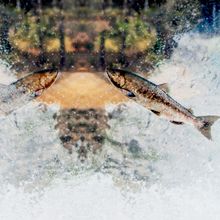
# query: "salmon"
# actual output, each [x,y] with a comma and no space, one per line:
[26,89]
[157,100]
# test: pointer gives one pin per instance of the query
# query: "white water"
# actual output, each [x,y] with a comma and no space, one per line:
[181,167]
[6,75]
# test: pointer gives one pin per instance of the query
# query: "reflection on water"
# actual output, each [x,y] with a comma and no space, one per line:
[92,35]
[178,167]
[82,131]
[86,135]
[71,142]
[71,162]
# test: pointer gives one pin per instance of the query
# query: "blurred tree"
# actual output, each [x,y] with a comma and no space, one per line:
[210,12]
[40,32]
[81,3]
[124,33]
[5,46]
[118,3]
[102,49]
[136,5]
[156,3]
[26,5]
[105,4]
[61,34]
[8,2]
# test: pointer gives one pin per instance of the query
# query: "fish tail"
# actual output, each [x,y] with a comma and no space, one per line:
[207,121]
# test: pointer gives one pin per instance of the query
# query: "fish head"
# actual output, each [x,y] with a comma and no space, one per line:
[37,82]
[116,77]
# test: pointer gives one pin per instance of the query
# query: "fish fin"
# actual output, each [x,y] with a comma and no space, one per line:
[155,112]
[190,110]
[177,122]
[164,87]
[128,93]
[208,121]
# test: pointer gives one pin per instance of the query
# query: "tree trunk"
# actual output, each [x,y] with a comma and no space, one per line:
[18,4]
[105,4]
[137,5]
[5,46]
[210,13]
[102,50]
[62,36]
[156,3]
[122,56]
[123,47]
[118,3]
[40,33]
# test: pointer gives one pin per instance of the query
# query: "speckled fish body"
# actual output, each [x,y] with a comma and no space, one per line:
[157,100]
[25,90]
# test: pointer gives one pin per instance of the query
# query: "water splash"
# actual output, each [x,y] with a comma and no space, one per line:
[181,167]
[6,74]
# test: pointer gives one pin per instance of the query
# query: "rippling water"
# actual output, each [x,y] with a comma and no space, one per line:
[148,168]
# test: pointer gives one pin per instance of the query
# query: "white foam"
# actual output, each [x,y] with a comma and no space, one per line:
[6,74]
[183,173]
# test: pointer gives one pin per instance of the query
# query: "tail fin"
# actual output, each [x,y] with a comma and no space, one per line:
[208,121]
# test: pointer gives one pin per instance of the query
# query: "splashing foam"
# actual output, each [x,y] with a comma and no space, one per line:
[6,75]
[184,176]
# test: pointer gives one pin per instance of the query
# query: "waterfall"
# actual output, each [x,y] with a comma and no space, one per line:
[181,168]
[210,16]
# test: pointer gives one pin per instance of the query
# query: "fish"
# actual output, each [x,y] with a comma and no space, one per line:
[25,89]
[156,99]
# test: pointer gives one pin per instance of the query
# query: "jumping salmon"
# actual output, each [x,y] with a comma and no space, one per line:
[155,98]
[26,89]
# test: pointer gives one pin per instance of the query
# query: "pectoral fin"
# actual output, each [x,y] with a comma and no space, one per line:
[155,112]
[190,110]
[164,87]
[177,122]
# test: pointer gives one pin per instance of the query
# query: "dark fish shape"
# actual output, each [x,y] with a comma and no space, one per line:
[155,98]
[26,89]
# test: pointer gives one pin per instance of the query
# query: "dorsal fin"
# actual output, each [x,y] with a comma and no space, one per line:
[164,87]
[155,112]
[190,110]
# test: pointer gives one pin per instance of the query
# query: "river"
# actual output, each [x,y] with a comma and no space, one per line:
[148,167]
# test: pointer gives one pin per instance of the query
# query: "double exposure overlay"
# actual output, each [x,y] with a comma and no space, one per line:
[109,109]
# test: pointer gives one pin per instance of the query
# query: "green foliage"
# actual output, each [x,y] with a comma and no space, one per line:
[134,26]
[29,29]
[175,16]
[136,31]
[147,33]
